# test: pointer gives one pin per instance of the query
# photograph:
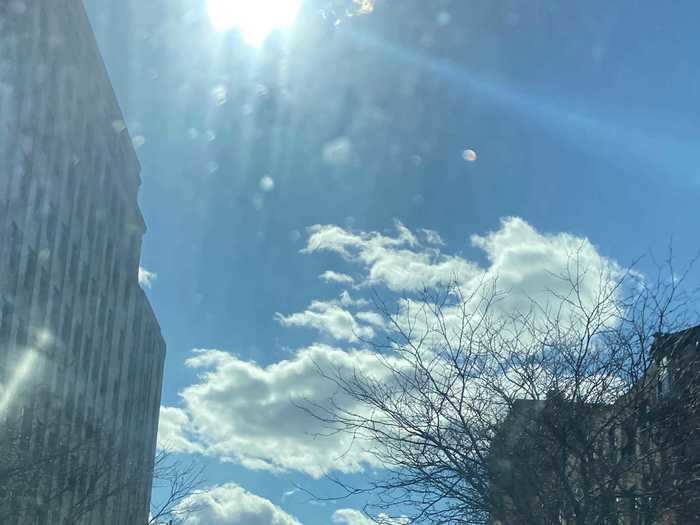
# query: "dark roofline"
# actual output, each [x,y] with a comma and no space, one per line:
[670,342]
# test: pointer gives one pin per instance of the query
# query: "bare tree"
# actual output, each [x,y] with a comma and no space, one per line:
[575,405]
[178,480]
[38,473]
[81,473]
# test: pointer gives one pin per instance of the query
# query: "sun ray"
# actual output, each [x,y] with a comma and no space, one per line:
[255,20]
[21,373]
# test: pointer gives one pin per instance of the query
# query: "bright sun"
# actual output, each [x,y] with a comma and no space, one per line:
[255,19]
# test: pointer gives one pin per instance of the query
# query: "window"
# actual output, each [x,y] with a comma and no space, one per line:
[115,396]
[89,138]
[21,333]
[67,323]
[38,201]
[113,203]
[6,321]
[70,183]
[91,222]
[55,309]
[15,248]
[127,291]
[77,340]
[664,380]
[84,279]
[94,373]
[25,183]
[120,214]
[73,271]
[30,271]
[87,354]
[44,32]
[104,379]
[115,279]
[51,224]
[44,287]
[80,200]
[108,257]
[102,313]
[63,248]
[110,327]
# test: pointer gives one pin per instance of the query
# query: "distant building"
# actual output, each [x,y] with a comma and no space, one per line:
[81,353]
[643,449]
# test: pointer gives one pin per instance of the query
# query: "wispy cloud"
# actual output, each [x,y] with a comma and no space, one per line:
[432,237]
[330,276]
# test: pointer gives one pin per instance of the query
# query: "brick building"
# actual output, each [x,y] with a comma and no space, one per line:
[81,354]
[636,459]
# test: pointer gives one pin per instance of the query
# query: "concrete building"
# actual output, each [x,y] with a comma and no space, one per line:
[81,354]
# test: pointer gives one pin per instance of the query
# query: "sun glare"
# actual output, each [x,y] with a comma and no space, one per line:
[21,373]
[255,19]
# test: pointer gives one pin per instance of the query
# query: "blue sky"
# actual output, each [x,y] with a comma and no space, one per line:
[583,116]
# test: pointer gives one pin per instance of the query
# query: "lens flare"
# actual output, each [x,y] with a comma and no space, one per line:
[255,19]
[469,155]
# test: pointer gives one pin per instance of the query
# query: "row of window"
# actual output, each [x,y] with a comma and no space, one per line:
[104,319]
[90,206]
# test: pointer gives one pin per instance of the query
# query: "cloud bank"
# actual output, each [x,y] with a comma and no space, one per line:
[242,411]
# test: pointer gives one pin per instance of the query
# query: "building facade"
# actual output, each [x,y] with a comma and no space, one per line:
[634,461]
[81,353]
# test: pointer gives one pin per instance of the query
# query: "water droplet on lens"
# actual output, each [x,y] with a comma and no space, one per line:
[469,155]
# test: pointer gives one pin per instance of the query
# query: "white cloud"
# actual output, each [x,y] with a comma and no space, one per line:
[525,263]
[330,276]
[529,265]
[432,237]
[330,318]
[371,318]
[401,263]
[524,267]
[231,504]
[355,517]
[347,300]
[146,278]
[243,412]
[173,430]
[351,517]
